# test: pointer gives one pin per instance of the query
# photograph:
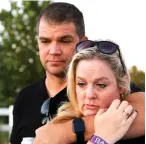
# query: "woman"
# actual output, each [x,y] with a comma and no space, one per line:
[97,80]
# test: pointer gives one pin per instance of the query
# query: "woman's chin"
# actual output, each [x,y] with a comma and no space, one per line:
[89,113]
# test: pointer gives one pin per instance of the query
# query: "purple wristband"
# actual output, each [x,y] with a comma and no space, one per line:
[97,140]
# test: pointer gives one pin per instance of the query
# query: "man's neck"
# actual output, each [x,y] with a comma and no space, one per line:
[54,84]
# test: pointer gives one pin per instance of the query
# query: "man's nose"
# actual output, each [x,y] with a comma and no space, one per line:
[90,92]
[55,49]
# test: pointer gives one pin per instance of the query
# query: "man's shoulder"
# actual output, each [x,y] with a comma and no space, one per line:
[33,86]
[138,140]
[31,89]
[134,88]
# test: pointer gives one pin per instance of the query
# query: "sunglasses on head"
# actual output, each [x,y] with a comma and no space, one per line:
[105,47]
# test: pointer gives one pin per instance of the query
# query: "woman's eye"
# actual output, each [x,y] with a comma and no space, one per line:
[81,84]
[101,85]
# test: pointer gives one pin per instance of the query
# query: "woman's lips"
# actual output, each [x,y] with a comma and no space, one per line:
[91,107]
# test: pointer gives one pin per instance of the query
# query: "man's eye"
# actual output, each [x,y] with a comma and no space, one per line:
[44,41]
[66,41]
[101,85]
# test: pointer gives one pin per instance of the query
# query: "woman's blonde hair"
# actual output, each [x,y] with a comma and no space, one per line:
[70,109]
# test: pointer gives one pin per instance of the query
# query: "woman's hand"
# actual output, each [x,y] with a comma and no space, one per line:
[112,124]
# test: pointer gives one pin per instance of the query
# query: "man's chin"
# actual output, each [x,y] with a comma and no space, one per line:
[57,73]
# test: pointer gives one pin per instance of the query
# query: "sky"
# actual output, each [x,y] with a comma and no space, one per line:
[122,21]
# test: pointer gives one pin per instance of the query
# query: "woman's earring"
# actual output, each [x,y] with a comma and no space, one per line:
[121,96]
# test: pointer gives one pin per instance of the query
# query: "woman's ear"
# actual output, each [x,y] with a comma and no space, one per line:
[121,90]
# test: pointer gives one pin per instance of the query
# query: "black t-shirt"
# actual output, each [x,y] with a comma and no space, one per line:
[139,140]
[26,113]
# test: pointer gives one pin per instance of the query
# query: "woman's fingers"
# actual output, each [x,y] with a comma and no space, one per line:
[100,111]
[115,104]
[123,105]
[131,118]
[128,110]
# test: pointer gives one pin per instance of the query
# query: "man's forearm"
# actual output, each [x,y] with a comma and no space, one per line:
[137,100]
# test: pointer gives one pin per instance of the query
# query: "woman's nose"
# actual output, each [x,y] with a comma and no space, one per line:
[90,92]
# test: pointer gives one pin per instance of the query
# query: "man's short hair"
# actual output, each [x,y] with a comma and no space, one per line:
[60,12]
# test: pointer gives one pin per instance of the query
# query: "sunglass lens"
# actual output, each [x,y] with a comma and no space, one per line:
[45,107]
[107,47]
[84,44]
[45,120]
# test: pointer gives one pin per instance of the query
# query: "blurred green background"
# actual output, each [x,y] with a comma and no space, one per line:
[19,58]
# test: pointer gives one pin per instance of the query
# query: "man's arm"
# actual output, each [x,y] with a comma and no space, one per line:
[17,112]
[62,133]
[137,100]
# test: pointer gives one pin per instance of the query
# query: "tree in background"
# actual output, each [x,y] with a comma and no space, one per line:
[137,77]
[19,61]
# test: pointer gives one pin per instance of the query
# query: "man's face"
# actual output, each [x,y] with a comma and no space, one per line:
[56,45]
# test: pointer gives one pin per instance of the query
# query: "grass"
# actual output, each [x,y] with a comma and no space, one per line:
[4,137]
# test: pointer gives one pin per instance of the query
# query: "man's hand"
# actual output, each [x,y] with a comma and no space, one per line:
[55,134]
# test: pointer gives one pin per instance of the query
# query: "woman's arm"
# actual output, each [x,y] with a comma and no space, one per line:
[137,100]
[112,124]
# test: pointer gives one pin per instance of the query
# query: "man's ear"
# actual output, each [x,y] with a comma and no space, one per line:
[84,38]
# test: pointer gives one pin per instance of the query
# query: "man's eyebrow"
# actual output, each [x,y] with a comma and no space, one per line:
[62,37]
[43,38]
[67,36]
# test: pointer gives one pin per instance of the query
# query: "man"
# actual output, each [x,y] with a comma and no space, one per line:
[60,27]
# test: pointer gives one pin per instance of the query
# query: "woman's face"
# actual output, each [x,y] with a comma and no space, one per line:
[96,86]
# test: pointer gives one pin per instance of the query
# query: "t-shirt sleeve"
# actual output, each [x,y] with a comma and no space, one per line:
[134,88]
[15,137]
